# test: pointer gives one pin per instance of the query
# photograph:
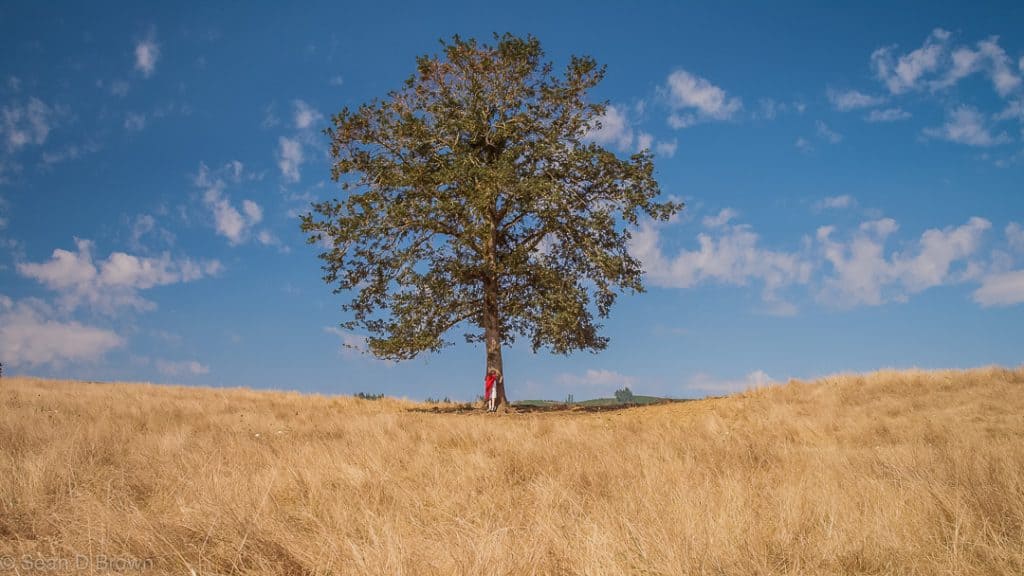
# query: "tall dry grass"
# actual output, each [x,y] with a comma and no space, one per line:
[888,473]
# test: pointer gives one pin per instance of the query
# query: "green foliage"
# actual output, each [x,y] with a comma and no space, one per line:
[472,198]
[432,400]
[624,395]
[365,396]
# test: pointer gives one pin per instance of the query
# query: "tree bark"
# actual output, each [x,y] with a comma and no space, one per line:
[492,336]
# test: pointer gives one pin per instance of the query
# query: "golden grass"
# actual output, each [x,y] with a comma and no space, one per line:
[890,473]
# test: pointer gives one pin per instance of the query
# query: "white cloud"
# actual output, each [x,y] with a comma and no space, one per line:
[907,71]
[1015,236]
[644,141]
[30,337]
[1001,289]
[965,125]
[27,123]
[694,99]
[605,381]
[769,108]
[305,115]
[828,134]
[147,52]
[145,225]
[134,122]
[615,129]
[721,219]
[3,213]
[181,368]
[988,57]
[864,275]
[937,66]
[1014,111]
[289,158]
[835,202]
[803,145]
[730,255]
[887,115]
[611,128]
[229,222]
[852,100]
[115,282]
[706,383]
[253,212]
[336,81]
[666,149]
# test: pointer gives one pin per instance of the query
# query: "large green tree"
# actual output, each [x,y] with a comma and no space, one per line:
[472,196]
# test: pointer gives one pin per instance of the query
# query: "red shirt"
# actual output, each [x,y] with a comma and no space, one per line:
[488,385]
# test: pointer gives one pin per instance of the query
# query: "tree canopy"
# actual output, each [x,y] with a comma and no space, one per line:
[472,196]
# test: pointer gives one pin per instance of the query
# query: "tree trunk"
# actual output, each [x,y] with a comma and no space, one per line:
[492,336]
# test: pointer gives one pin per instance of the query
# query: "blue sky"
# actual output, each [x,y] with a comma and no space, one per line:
[853,178]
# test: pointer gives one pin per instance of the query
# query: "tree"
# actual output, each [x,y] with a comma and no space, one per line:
[471,195]
[624,395]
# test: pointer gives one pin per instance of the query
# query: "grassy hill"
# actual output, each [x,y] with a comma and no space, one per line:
[887,473]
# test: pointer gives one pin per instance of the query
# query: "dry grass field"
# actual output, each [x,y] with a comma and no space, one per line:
[888,473]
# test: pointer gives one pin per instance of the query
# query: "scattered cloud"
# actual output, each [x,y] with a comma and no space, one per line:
[803,145]
[937,66]
[770,109]
[1001,289]
[852,100]
[31,336]
[230,222]
[602,381]
[694,100]
[270,118]
[863,274]
[336,81]
[145,225]
[1014,236]
[990,58]
[827,133]
[289,158]
[147,52]
[1014,111]
[613,128]
[887,115]
[721,219]
[305,115]
[666,149]
[835,202]
[965,125]
[731,254]
[27,123]
[134,122]
[904,73]
[181,368]
[112,283]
